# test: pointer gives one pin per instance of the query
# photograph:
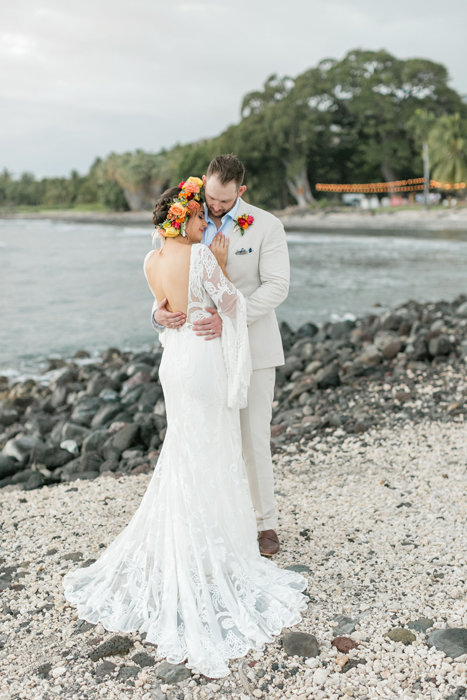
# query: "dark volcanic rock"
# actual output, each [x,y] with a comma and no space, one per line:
[172,673]
[8,416]
[440,346]
[420,625]
[345,625]
[143,659]
[43,670]
[307,330]
[35,481]
[299,568]
[94,442]
[51,456]
[104,669]
[300,644]
[453,641]
[114,645]
[73,431]
[122,440]
[126,672]
[85,410]
[341,329]
[328,376]
[105,414]
[351,663]
[21,447]
[8,466]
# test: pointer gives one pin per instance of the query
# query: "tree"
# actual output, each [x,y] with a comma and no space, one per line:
[448,146]
[421,123]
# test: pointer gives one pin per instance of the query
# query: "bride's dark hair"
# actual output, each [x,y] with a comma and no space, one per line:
[163,204]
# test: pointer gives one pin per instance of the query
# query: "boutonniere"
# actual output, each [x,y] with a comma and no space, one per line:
[243,222]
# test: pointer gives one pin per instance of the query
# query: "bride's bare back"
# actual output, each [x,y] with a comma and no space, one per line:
[167,271]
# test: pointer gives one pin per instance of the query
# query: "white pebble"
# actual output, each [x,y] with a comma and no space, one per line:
[59,671]
[320,676]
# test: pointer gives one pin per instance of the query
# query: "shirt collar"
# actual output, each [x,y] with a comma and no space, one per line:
[231,214]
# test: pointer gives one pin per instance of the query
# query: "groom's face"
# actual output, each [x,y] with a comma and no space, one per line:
[220,198]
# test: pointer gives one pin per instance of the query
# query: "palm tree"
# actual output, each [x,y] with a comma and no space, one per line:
[421,124]
[448,146]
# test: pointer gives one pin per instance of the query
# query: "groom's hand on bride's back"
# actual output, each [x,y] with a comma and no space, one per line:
[169,319]
[210,327]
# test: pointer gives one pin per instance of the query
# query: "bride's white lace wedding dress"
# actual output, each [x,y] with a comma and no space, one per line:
[186,570]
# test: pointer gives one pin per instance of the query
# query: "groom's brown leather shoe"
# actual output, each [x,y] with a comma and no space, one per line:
[268,543]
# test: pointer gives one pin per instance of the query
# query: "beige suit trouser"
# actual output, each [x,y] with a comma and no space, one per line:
[255,422]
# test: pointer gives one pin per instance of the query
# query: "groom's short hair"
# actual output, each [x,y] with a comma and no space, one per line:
[227,167]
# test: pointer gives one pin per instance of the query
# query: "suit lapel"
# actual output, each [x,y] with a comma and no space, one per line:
[240,239]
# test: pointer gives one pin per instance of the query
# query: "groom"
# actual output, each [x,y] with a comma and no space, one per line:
[258,264]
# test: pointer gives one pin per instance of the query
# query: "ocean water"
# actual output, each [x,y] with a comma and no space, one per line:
[68,286]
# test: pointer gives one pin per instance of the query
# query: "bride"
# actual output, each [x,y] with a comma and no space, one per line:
[186,570]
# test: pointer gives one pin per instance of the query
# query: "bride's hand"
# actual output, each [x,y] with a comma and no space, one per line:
[220,247]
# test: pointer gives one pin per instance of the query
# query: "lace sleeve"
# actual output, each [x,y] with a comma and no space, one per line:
[231,305]
[220,289]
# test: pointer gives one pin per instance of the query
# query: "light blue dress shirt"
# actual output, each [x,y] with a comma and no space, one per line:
[227,220]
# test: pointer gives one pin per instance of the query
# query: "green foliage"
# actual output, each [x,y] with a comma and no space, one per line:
[448,148]
[360,119]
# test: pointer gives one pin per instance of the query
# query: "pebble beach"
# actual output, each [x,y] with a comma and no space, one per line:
[375,523]
[370,450]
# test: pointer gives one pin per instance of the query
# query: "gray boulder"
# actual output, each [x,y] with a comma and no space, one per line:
[172,673]
[328,376]
[122,440]
[85,410]
[94,442]
[441,345]
[105,414]
[453,641]
[388,343]
[8,466]
[370,356]
[51,456]
[73,431]
[300,644]
[21,447]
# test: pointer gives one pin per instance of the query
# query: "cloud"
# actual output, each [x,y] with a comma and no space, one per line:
[81,79]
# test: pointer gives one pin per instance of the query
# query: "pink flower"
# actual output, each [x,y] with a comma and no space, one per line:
[243,222]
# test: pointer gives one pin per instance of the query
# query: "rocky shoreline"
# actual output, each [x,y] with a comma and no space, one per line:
[108,415]
[369,447]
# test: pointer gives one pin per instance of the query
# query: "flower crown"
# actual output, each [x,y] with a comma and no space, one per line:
[186,203]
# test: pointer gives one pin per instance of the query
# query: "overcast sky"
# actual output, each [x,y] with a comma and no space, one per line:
[82,79]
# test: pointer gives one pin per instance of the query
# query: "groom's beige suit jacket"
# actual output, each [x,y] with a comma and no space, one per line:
[258,265]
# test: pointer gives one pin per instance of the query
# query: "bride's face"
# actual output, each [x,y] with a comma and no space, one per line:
[195,226]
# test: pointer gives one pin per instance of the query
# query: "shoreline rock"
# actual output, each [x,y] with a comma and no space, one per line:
[109,415]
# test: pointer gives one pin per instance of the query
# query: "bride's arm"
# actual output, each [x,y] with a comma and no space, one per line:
[220,248]
[221,290]
[231,305]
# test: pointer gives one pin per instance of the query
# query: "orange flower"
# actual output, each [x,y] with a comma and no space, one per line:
[193,207]
[177,211]
[193,184]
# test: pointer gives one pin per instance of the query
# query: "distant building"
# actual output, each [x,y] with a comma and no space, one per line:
[363,201]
